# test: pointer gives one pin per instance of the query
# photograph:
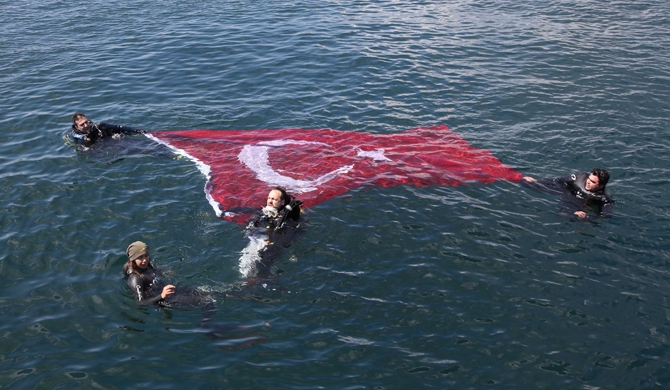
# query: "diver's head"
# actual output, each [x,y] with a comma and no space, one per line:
[80,123]
[138,257]
[277,198]
[597,179]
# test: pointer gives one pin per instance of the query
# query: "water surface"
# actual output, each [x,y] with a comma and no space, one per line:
[479,286]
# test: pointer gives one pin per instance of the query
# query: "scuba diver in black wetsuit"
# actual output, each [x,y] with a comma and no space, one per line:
[87,132]
[148,289]
[269,232]
[589,187]
[146,285]
[280,209]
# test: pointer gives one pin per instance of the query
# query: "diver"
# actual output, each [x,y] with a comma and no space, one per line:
[87,133]
[148,289]
[277,212]
[145,283]
[269,232]
[589,188]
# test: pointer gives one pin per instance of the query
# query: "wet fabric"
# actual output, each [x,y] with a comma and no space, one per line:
[316,165]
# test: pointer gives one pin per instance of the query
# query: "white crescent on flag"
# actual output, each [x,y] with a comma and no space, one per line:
[257,159]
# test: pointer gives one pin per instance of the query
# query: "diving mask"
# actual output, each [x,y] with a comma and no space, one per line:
[270,211]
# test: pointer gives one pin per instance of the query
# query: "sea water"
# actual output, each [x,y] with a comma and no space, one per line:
[479,286]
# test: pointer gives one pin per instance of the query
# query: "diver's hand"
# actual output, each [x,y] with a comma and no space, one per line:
[529,179]
[167,291]
[580,214]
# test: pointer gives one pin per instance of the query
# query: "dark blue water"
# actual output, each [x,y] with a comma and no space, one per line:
[479,286]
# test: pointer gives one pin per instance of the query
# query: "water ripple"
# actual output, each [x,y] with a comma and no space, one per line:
[473,286]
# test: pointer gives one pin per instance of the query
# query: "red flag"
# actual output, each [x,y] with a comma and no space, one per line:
[316,165]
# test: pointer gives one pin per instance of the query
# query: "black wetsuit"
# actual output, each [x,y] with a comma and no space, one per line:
[147,288]
[601,200]
[277,232]
[287,218]
[100,131]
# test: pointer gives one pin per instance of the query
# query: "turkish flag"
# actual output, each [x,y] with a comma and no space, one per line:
[316,165]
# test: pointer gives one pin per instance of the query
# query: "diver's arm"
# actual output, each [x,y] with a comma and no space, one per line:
[564,181]
[605,209]
[135,284]
[84,140]
[546,182]
[603,203]
[550,186]
[117,129]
